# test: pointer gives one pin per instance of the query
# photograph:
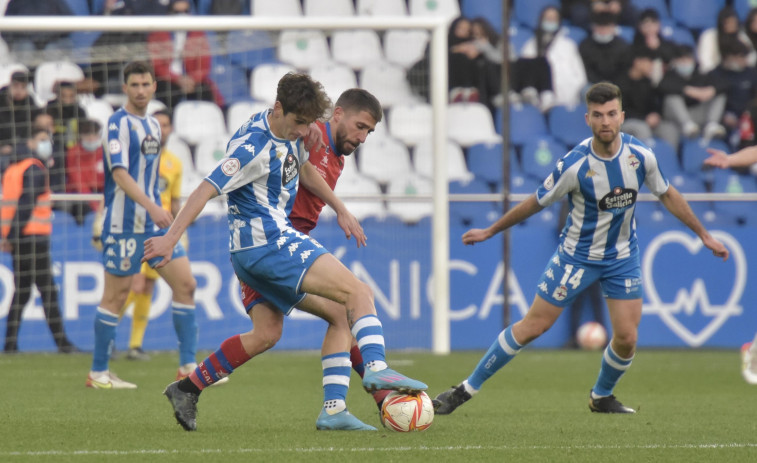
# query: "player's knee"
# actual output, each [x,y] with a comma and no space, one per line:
[361,291]
[625,340]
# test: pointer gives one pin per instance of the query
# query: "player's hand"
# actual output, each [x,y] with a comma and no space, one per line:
[717,158]
[158,246]
[475,235]
[351,228]
[160,216]
[717,248]
[314,139]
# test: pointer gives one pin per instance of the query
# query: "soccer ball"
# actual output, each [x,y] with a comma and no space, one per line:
[591,336]
[407,412]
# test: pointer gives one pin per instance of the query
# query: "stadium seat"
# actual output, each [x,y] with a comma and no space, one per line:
[576,33]
[485,162]
[382,7]
[667,157]
[694,152]
[411,123]
[539,156]
[626,33]
[735,184]
[50,72]
[526,122]
[264,81]
[357,185]
[742,8]
[470,123]
[303,49]
[356,48]
[449,9]
[489,9]
[246,48]
[276,8]
[523,184]
[78,7]
[696,14]
[568,124]
[471,213]
[99,110]
[335,77]
[209,151]
[410,184]
[687,183]
[387,82]
[660,5]
[239,112]
[653,214]
[405,47]
[154,106]
[423,161]
[677,34]
[331,8]
[230,79]
[519,35]
[383,158]
[527,11]
[196,121]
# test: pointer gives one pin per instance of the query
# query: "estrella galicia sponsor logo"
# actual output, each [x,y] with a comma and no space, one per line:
[290,170]
[150,145]
[618,198]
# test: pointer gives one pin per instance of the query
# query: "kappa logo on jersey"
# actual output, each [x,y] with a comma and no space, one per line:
[249,148]
[293,247]
[114,146]
[550,274]
[150,145]
[110,240]
[556,260]
[291,169]
[230,167]
[234,209]
[619,198]
[633,161]
[110,252]
[325,160]
[543,287]
[282,241]
[110,264]
[305,254]
[112,126]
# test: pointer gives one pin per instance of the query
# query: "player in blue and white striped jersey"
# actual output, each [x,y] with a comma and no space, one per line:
[133,213]
[601,177]
[264,162]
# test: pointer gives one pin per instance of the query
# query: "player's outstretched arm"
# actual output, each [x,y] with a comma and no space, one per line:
[160,216]
[311,179]
[679,207]
[162,246]
[512,217]
[742,158]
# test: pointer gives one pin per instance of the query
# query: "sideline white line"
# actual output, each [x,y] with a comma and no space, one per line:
[44,453]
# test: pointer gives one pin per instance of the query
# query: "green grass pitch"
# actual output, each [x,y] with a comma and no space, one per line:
[693,406]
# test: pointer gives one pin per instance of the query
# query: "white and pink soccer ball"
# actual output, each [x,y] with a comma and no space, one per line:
[591,336]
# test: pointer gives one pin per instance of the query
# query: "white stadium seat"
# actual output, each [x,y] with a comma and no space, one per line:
[48,73]
[356,48]
[332,8]
[264,81]
[449,9]
[405,47]
[410,184]
[239,112]
[470,123]
[410,123]
[382,7]
[303,49]
[383,158]
[100,111]
[457,170]
[276,8]
[195,121]
[388,82]
[335,78]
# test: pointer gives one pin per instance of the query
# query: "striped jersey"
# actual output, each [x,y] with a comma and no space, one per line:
[602,195]
[134,144]
[259,174]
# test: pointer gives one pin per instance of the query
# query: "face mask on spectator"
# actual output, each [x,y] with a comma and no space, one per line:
[602,38]
[685,69]
[90,145]
[550,26]
[44,149]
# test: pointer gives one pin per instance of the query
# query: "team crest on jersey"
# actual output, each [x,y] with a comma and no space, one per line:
[150,145]
[618,198]
[633,161]
[291,169]
[560,293]
[230,167]
[549,182]
[114,146]
[125,264]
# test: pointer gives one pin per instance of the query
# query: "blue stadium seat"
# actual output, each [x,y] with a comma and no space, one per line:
[735,184]
[742,7]
[468,213]
[626,33]
[687,183]
[489,9]
[568,124]
[576,33]
[667,157]
[694,152]
[230,79]
[652,213]
[523,184]
[696,14]
[526,122]
[260,48]
[485,162]
[678,34]
[519,35]
[527,11]
[539,156]
[659,5]
[79,7]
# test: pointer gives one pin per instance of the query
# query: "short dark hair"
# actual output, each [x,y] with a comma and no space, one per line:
[37,129]
[89,127]
[602,92]
[163,112]
[358,99]
[138,67]
[301,95]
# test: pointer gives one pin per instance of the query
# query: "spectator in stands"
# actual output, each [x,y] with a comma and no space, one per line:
[579,12]
[56,165]
[690,98]
[463,81]
[750,27]
[568,75]
[604,54]
[489,53]
[738,81]
[182,63]
[85,169]
[17,114]
[643,107]
[710,44]
[25,44]
[66,113]
[648,37]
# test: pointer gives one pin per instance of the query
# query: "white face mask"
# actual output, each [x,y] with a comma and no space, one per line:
[44,149]
[90,145]
[685,69]
[550,26]
[603,38]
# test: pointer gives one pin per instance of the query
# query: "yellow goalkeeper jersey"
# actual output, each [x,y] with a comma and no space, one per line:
[170,172]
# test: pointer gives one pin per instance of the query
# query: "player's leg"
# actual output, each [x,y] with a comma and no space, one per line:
[539,318]
[267,324]
[335,362]
[178,275]
[142,288]
[625,315]
[329,278]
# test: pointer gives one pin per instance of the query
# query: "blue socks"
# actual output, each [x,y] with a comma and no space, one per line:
[370,339]
[185,324]
[501,351]
[336,381]
[105,336]
[612,369]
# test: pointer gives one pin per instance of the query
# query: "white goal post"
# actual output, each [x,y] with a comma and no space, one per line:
[438,96]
